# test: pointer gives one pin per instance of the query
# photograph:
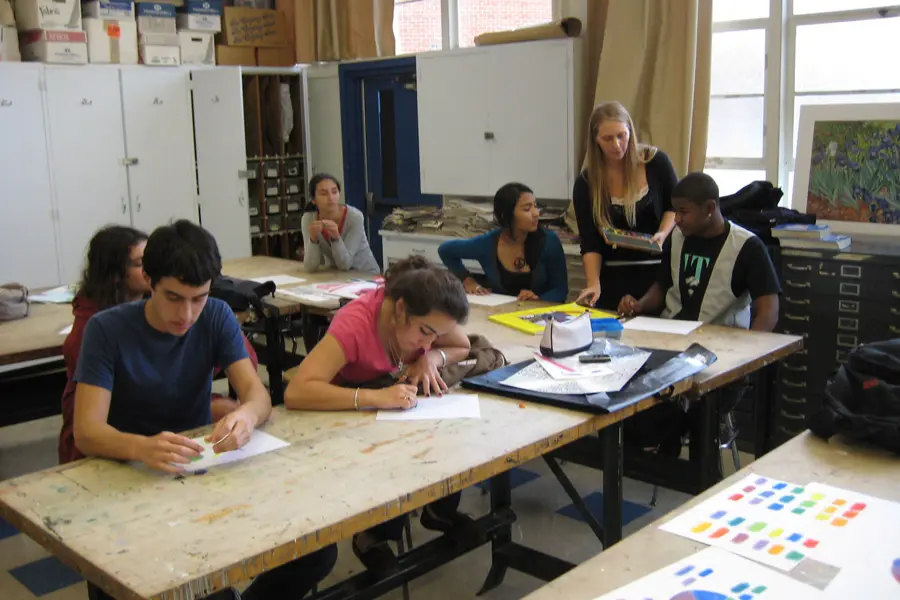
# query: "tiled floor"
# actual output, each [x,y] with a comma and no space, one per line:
[547,521]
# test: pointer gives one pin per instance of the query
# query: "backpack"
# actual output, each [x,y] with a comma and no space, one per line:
[862,402]
[13,301]
[241,294]
[755,208]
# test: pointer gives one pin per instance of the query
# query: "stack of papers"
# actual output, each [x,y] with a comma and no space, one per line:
[569,376]
[59,295]
[328,294]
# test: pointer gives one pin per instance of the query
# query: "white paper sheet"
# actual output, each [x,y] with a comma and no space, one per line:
[713,574]
[63,294]
[616,374]
[260,443]
[879,578]
[448,406]
[345,289]
[490,299]
[311,297]
[281,281]
[534,378]
[570,367]
[661,325]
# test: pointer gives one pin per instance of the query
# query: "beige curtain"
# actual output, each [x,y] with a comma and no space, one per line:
[655,60]
[324,30]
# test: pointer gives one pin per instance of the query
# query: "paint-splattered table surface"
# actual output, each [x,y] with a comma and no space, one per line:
[37,335]
[802,460]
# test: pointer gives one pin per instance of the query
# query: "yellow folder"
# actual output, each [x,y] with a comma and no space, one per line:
[532,320]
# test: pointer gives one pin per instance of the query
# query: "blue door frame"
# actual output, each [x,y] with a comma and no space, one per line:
[362,138]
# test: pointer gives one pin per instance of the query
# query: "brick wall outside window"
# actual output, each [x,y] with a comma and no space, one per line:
[417,23]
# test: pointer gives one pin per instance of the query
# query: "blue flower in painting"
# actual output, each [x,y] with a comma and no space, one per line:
[873,153]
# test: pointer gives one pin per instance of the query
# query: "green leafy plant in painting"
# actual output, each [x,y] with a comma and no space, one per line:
[855,171]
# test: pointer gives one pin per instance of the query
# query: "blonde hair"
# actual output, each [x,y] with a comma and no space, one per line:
[636,155]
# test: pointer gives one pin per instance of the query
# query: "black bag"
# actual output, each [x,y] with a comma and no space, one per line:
[241,294]
[862,402]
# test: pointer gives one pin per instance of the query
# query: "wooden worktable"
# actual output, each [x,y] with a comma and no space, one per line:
[802,460]
[36,336]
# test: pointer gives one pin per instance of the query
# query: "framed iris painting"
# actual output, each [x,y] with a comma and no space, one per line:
[848,167]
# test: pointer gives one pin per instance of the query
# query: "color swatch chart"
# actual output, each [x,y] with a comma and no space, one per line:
[779,523]
[714,574]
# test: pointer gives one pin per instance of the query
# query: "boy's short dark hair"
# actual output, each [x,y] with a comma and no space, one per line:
[184,251]
[697,187]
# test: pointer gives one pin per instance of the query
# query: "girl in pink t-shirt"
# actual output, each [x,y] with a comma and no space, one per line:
[408,329]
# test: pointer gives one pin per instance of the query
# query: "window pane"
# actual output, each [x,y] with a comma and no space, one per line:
[806,7]
[855,55]
[736,10]
[837,99]
[735,127]
[481,16]
[417,25]
[731,180]
[739,62]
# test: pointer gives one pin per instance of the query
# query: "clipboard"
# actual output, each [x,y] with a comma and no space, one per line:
[663,369]
[632,240]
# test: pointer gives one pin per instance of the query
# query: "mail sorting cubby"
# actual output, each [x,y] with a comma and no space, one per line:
[275,133]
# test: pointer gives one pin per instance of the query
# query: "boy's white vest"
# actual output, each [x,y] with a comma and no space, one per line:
[720,306]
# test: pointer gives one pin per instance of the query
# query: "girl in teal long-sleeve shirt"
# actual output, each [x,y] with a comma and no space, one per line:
[519,258]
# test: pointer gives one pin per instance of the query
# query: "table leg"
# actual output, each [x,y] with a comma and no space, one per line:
[275,358]
[612,441]
[501,500]
[704,449]
[762,409]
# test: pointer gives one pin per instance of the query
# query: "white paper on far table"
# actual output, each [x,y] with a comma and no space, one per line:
[280,280]
[311,297]
[66,330]
[714,574]
[661,325]
[63,294]
[260,443]
[490,299]
[448,406]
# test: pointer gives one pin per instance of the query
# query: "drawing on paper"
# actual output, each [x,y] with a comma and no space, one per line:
[854,172]
[713,574]
[780,496]
[895,569]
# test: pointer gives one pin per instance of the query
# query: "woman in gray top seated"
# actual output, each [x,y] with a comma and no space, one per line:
[334,234]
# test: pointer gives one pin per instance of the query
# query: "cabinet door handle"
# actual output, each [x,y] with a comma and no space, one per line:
[799,369]
[5,102]
[894,311]
[894,329]
[157,101]
[124,205]
[138,201]
[792,416]
[895,273]
[241,198]
[805,284]
[86,102]
[488,135]
[795,318]
[793,384]
[895,293]
[790,300]
[794,400]
[794,267]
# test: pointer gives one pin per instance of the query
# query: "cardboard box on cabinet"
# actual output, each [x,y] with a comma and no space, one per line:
[120,10]
[57,47]
[47,14]
[111,42]
[197,48]
[200,15]
[156,18]
[243,56]
[275,57]
[9,44]
[254,27]
[160,49]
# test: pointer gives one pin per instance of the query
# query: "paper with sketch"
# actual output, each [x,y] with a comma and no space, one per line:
[713,574]
[448,406]
[63,294]
[570,367]
[534,378]
[490,299]
[280,281]
[661,325]
[260,443]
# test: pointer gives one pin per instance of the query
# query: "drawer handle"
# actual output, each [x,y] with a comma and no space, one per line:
[794,400]
[794,267]
[790,300]
[800,369]
[895,311]
[895,293]
[896,275]
[802,285]
[794,384]
[894,330]
[795,317]
[792,416]
[788,431]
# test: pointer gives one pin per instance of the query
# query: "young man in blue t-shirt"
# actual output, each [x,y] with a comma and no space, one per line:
[145,373]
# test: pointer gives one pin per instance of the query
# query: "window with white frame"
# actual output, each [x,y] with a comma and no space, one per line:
[475,17]
[417,26]
[771,57]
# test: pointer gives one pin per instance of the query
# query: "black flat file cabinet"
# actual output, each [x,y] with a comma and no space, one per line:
[836,300]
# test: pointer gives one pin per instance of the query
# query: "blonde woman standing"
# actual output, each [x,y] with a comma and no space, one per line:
[627,186]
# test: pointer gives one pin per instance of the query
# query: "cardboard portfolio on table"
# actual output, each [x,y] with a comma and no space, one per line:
[663,369]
